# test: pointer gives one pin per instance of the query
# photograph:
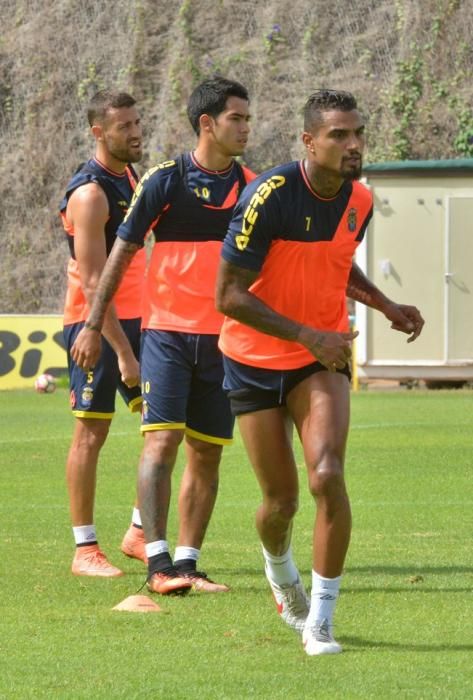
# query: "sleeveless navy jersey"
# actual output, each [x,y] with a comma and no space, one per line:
[302,246]
[182,201]
[119,191]
[188,208]
[280,205]
[117,188]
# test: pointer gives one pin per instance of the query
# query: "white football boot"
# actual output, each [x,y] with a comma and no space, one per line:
[292,602]
[317,639]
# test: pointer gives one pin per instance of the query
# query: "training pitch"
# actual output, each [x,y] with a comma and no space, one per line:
[404,615]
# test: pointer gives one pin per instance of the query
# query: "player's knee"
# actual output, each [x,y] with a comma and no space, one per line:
[90,435]
[282,509]
[204,456]
[327,480]
[159,455]
[159,443]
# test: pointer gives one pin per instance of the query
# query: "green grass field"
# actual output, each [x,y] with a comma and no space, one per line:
[405,613]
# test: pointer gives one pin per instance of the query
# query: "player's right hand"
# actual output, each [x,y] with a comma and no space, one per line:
[86,349]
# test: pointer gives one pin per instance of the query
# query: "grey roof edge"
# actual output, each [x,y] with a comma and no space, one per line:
[454,165]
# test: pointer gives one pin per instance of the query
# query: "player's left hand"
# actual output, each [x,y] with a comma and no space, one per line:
[406,319]
[129,369]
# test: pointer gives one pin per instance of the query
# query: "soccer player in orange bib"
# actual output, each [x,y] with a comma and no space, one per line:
[95,203]
[188,202]
[287,266]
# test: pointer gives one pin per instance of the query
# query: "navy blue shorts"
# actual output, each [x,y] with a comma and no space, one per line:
[181,381]
[256,389]
[92,393]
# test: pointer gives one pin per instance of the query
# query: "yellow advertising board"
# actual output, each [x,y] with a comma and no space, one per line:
[30,345]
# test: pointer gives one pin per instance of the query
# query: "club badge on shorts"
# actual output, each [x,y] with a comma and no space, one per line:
[87,396]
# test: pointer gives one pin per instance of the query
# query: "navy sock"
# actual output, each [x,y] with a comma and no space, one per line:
[159,562]
[185,565]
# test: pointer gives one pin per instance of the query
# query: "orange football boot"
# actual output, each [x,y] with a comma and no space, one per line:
[91,561]
[169,582]
[201,582]
[133,544]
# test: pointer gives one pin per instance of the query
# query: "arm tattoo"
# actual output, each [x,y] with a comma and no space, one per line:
[359,288]
[113,273]
[239,303]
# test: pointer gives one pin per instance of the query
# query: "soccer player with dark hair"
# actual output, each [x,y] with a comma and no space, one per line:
[286,269]
[96,200]
[188,202]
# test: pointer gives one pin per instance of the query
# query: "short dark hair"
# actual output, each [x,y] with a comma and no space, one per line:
[324,100]
[210,97]
[104,100]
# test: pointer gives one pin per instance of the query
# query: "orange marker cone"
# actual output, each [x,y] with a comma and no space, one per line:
[138,603]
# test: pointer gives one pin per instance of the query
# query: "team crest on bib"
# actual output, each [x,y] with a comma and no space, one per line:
[352,220]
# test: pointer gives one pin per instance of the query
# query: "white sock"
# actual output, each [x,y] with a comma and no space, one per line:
[186,553]
[136,518]
[281,569]
[156,547]
[84,534]
[323,598]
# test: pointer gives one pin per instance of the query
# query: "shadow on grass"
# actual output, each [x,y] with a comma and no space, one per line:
[364,644]
[390,570]
[376,570]
[408,587]
[416,579]
[253,580]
